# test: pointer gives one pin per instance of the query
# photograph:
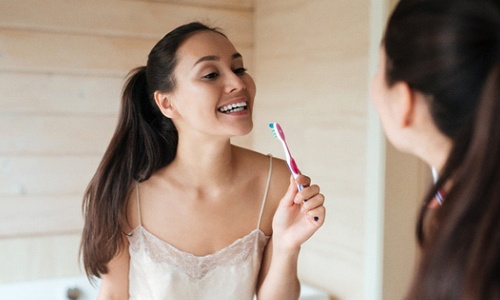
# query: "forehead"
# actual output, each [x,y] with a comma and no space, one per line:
[205,43]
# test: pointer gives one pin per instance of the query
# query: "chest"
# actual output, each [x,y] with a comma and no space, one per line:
[201,225]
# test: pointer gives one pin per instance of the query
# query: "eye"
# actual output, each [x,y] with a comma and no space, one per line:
[240,71]
[211,76]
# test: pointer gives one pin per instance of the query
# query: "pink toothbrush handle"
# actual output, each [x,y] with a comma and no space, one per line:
[294,168]
[295,172]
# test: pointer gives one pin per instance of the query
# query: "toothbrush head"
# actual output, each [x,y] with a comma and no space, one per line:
[279,134]
[277,131]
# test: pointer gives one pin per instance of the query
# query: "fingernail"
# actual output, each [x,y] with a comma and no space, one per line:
[316,219]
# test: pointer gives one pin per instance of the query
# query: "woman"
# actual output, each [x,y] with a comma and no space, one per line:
[175,211]
[437,94]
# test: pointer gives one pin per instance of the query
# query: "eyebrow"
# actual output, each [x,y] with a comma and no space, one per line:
[215,58]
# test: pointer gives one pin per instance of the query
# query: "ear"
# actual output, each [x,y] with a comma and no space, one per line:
[163,100]
[405,104]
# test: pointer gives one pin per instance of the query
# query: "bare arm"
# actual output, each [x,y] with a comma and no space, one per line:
[294,222]
[114,284]
[278,278]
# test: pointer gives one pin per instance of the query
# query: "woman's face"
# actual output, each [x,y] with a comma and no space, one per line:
[213,94]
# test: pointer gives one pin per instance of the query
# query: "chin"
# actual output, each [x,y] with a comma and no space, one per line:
[244,130]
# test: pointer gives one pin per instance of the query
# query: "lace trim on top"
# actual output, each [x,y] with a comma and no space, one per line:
[196,267]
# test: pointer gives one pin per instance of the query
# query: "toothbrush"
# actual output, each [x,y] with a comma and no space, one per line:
[280,135]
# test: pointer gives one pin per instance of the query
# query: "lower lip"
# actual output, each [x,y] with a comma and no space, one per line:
[236,113]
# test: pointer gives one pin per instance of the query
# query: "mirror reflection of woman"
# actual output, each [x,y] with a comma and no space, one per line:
[437,91]
[175,211]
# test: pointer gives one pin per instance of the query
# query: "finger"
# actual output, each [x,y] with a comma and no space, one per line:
[313,202]
[317,215]
[303,180]
[306,193]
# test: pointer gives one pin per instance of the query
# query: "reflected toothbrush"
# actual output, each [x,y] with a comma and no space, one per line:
[280,135]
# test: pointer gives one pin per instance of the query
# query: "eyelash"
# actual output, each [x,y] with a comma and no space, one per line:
[240,71]
[211,76]
[215,75]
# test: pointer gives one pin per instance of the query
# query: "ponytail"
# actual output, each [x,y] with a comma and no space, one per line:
[143,142]
[460,257]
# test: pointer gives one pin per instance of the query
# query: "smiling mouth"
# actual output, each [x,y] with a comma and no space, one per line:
[231,108]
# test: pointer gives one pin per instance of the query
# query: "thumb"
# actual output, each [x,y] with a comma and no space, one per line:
[287,199]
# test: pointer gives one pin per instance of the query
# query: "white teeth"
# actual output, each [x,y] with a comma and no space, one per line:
[233,107]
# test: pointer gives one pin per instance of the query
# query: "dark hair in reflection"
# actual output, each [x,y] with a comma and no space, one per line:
[144,141]
[449,50]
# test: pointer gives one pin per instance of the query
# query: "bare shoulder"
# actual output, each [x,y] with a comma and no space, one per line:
[132,211]
[280,180]
[253,155]
[259,161]
[278,185]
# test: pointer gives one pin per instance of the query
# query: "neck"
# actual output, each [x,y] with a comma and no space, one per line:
[204,162]
[426,140]
[435,151]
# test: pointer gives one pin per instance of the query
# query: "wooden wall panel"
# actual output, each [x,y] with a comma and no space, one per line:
[40,215]
[139,19]
[59,94]
[65,53]
[55,134]
[246,5]
[26,258]
[57,175]
[62,67]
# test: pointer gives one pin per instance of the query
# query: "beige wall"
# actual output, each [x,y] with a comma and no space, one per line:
[62,66]
[311,72]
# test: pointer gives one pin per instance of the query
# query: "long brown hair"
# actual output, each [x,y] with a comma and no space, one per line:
[450,51]
[144,141]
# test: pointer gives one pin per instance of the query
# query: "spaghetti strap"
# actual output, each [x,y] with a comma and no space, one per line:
[138,203]
[266,190]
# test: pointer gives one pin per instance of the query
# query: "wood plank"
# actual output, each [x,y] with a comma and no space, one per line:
[44,93]
[26,134]
[121,18]
[46,175]
[35,52]
[228,4]
[47,215]
[29,51]
[29,258]
[334,28]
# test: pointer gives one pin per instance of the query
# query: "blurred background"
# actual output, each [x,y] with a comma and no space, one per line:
[62,67]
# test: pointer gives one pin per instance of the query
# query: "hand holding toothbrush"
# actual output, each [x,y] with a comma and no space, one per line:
[299,214]
[301,211]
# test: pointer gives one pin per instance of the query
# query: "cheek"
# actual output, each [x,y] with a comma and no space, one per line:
[251,88]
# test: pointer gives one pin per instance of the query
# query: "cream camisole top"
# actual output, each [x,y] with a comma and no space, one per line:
[158,270]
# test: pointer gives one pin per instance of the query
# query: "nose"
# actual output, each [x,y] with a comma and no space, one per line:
[235,83]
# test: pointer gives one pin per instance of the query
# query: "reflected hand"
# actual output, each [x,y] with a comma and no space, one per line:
[299,214]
